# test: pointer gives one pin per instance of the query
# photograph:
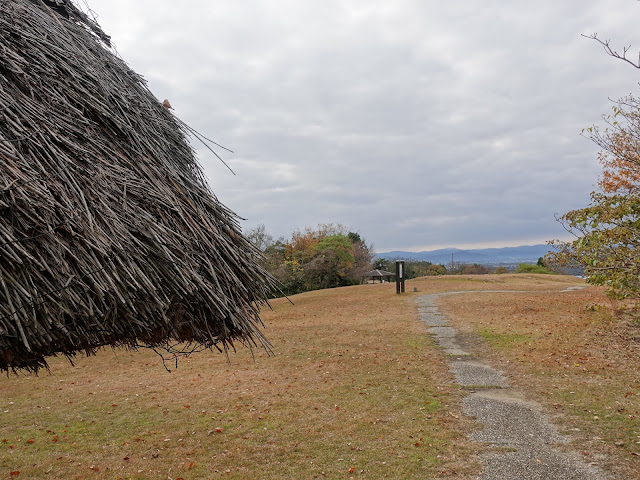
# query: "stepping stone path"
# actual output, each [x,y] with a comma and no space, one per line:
[525,443]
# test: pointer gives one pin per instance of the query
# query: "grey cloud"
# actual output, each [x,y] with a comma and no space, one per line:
[417,123]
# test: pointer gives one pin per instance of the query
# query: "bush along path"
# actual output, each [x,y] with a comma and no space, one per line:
[522,442]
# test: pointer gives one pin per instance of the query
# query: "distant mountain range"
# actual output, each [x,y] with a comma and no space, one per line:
[482,256]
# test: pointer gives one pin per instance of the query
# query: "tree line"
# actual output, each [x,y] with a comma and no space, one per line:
[330,255]
[325,256]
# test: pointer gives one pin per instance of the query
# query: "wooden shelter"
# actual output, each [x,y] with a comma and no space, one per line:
[381,275]
[109,234]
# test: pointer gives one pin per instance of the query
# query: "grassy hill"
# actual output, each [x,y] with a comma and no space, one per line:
[356,389]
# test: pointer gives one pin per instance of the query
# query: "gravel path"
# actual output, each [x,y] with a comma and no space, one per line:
[524,444]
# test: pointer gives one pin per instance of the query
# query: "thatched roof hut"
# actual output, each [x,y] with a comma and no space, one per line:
[109,234]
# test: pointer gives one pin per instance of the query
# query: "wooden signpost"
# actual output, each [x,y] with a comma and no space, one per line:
[399,277]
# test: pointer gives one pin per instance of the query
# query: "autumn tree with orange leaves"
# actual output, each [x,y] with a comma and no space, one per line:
[326,256]
[620,147]
[607,243]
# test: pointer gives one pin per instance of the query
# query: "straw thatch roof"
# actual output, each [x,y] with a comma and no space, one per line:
[109,234]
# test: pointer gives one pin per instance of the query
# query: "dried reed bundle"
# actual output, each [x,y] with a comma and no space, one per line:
[109,234]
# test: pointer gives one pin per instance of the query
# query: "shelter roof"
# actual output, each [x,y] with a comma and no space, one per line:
[378,273]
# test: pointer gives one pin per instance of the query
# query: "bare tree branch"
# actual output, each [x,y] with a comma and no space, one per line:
[611,52]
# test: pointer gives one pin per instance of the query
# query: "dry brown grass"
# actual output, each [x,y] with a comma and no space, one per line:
[571,354]
[356,389]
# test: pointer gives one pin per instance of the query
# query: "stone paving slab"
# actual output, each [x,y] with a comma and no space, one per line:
[451,347]
[457,352]
[476,374]
[541,462]
[426,305]
[442,332]
[433,321]
[508,420]
[428,308]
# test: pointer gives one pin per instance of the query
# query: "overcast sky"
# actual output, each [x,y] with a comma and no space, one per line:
[420,124]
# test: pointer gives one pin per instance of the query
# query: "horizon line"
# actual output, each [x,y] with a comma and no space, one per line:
[477,246]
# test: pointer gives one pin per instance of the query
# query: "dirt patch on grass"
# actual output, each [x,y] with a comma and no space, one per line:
[573,355]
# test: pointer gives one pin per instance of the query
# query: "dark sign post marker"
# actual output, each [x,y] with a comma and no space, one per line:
[399,276]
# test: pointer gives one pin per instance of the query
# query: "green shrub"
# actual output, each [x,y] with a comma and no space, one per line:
[526,268]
